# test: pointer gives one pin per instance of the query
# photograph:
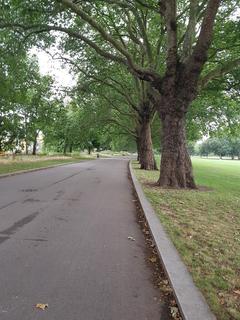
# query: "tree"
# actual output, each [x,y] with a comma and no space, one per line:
[123,93]
[25,103]
[221,147]
[235,148]
[174,63]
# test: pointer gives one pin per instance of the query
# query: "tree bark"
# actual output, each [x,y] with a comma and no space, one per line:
[147,160]
[26,147]
[65,148]
[138,148]
[34,147]
[176,166]
[34,152]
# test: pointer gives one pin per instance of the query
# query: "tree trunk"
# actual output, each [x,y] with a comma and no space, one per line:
[147,160]
[65,148]
[26,147]
[176,166]
[138,148]
[34,147]
[34,152]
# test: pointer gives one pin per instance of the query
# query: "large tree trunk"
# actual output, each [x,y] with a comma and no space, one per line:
[176,166]
[147,160]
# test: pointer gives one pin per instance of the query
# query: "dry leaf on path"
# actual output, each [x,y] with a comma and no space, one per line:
[42,306]
[131,238]
[153,259]
[174,312]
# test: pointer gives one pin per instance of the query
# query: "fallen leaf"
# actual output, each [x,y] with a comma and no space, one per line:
[153,259]
[131,238]
[237,292]
[174,312]
[42,306]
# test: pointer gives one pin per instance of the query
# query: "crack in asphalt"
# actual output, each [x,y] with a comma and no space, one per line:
[35,239]
[19,224]
[8,204]
[2,239]
[64,179]
[32,190]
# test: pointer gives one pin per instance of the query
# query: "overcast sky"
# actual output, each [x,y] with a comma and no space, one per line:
[54,68]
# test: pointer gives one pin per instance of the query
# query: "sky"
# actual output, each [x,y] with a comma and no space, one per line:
[49,66]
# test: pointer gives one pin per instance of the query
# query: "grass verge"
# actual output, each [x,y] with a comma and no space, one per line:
[28,163]
[205,228]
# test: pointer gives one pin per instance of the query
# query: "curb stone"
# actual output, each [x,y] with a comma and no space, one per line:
[192,305]
[5,175]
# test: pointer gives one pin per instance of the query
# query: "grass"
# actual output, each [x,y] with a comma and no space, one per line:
[20,163]
[205,228]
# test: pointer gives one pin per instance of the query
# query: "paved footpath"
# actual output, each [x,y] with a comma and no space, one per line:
[64,241]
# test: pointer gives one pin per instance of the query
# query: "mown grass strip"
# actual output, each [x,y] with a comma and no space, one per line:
[11,166]
[205,228]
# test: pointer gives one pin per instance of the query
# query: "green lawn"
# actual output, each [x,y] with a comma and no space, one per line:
[205,228]
[28,163]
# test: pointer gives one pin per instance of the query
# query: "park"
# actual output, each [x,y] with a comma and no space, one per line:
[120,160]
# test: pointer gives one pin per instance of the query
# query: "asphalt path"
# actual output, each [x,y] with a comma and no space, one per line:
[64,242]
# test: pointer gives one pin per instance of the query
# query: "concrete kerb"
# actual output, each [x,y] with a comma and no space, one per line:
[36,169]
[191,303]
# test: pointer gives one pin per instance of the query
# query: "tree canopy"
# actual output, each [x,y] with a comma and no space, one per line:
[179,59]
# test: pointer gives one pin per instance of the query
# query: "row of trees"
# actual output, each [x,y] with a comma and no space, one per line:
[221,147]
[142,66]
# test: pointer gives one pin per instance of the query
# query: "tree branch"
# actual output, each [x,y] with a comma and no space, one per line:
[125,128]
[169,11]
[147,44]
[45,28]
[198,58]
[144,74]
[190,33]
[106,36]
[221,70]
